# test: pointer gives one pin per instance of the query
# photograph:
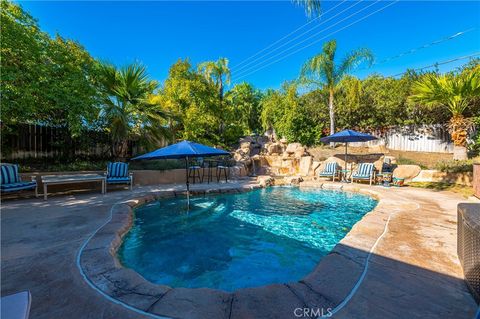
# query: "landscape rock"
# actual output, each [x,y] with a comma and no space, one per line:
[292,147]
[305,165]
[292,180]
[300,151]
[407,171]
[265,180]
[274,148]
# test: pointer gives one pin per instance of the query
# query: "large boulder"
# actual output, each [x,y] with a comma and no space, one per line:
[265,180]
[292,180]
[274,148]
[407,172]
[305,165]
[300,151]
[292,147]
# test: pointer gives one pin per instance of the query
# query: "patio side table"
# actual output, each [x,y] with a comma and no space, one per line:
[345,174]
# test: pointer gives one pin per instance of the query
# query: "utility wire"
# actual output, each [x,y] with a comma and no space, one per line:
[304,40]
[286,36]
[316,41]
[421,47]
[440,63]
[298,36]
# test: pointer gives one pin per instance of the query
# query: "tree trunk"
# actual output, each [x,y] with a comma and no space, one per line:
[332,114]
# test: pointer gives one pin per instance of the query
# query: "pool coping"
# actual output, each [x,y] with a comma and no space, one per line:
[327,287]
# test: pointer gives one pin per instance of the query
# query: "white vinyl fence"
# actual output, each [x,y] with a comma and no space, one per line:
[425,138]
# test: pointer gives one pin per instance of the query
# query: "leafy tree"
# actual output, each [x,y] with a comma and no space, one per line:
[128,109]
[322,71]
[244,102]
[217,73]
[453,92]
[44,81]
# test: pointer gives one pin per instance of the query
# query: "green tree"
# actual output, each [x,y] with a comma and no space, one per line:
[244,102]
[217,73]
[455,93]
[312,7]
[128,110]
[44,80]
[322,71]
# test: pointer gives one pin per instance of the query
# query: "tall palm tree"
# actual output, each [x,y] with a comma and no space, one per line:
[312,7]
[218,74]
[128,111]
[453,92]
[322,71]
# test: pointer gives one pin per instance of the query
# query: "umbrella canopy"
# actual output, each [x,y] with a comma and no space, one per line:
[185,150]
[347,136]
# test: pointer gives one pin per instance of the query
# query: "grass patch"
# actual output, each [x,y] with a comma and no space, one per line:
[465,191]
[407,161]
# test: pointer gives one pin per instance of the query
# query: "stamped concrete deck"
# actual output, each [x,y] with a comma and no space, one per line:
[412,272]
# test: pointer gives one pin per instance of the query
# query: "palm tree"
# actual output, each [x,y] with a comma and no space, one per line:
[128,110]
[312,7]
[453,92]
[217,73]
[321,71]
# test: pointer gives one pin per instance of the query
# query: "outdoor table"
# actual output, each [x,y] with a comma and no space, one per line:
[344,173]
[70,179]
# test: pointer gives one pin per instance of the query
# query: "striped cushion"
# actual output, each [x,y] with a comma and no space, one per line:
[113,180]
[117,169]
[18,186]
[364,170]
[9,174]
[330,168]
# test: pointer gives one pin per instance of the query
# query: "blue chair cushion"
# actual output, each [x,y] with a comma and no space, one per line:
[9,174]
[117,169]
[119,180]
[18,186]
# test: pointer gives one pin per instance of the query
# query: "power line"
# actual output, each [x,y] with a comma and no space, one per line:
[298,36]
[286,36]
[316,41]
[451,37]
[304,40]
[440,63]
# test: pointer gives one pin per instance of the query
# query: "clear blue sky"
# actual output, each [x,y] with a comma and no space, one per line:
[158,33]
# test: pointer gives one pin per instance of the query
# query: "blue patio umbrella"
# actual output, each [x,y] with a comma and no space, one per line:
[183,150]
[347,136]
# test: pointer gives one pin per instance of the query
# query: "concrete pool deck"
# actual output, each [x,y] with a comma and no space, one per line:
[412,272]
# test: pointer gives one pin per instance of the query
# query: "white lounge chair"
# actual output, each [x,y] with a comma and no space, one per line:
[364,172]
[16,306]
[330,170]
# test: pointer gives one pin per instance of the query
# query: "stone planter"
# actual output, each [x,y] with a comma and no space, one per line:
[476,179]
[460,153]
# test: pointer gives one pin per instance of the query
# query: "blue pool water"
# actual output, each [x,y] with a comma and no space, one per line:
[232,241]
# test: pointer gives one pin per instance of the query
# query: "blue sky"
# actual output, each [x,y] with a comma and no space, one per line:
[158,33]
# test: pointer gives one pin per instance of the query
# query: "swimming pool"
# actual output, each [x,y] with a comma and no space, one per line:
[233,241]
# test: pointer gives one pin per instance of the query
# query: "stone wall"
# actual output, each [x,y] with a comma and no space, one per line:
[434,176]
[140,177]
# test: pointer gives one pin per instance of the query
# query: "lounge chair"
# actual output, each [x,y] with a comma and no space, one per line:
[11,181]
[330,170]
[117,173]
[364,172]
[16,306]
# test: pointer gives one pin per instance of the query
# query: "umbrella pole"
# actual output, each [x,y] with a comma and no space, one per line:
[345,175]
[188,183]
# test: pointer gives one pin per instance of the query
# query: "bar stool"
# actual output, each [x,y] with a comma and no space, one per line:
[209,165]
[222,168]
[194,170]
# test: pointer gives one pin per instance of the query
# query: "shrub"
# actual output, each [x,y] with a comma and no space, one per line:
[455,166]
